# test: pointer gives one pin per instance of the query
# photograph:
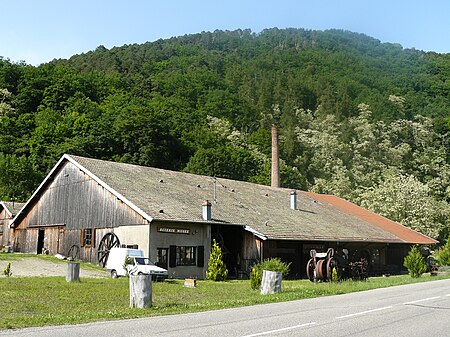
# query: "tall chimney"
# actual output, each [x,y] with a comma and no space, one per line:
[275,182]
[206,210]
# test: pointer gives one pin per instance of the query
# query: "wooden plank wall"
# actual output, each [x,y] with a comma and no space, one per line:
[4,228]
[76,200]
[71,202]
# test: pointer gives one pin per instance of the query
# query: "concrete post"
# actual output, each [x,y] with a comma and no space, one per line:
[73,272]
[271,282]
[140,291]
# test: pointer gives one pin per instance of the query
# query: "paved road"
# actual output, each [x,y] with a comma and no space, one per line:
[411,310]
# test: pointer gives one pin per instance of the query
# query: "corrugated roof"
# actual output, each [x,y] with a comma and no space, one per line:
[168,195]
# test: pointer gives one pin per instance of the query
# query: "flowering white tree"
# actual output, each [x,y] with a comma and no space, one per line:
[403,198]
[5,106]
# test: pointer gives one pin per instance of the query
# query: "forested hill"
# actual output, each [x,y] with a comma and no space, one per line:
[364,120]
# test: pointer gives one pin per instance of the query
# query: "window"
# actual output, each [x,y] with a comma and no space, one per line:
[87,238]
[186,256]
[161,258]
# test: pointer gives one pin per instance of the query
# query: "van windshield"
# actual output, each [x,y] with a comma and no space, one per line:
[143,260]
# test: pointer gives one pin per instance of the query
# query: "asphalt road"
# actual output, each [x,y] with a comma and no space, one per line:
[420,310]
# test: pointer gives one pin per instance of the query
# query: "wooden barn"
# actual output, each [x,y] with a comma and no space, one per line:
[8,209]
[85,206]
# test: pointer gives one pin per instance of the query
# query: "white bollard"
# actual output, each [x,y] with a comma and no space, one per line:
[271,282]
[140,291]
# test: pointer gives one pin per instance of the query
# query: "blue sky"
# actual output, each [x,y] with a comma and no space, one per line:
[39,31]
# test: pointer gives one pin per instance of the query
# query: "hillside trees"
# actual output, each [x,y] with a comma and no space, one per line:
[356,117]
[397,169]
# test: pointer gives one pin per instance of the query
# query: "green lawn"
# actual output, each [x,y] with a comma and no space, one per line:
[39,301]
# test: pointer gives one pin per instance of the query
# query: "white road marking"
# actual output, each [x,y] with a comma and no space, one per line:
[423,300]
[280,330]
[447,295]
[364,312]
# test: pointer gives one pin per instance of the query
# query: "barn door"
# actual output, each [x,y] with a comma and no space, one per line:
[40,241]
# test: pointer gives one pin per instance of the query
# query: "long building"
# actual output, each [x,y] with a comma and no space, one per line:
[87,206]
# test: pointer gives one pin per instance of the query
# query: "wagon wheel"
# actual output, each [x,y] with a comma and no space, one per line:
[108,241]
[73,253]
[310,270]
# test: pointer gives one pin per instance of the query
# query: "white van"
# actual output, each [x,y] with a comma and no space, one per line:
[138,264]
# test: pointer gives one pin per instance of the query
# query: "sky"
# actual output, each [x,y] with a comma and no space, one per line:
[40,31]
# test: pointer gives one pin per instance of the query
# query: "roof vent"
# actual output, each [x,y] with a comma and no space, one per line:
[294,199]
[206,210]
[161,181]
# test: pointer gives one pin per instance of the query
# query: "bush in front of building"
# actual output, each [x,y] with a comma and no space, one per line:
[273,264]
[443,254]
[415,262]
[217,270]
[7,270]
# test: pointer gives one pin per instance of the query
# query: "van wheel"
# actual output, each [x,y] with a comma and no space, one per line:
[114,274]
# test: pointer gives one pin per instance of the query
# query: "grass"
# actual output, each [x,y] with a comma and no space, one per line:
[40,301]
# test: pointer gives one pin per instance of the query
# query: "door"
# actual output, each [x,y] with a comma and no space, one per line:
[40,242]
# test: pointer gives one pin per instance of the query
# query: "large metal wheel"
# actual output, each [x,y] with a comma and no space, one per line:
[310,269]
[108,241]
[320,270]
[331,264]
[73,253]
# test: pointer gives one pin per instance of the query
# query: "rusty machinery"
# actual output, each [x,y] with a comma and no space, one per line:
[321,265]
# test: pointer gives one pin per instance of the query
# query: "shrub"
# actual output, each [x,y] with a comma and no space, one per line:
[415,262]
[128,261]
[334,275]
[274,264]
[443,254]
[7,270]
[217,270]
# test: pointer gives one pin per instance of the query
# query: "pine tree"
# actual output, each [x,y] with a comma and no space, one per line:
[443,254]
[415,262]
[217,270]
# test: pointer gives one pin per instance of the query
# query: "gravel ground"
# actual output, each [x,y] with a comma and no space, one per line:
[33,266]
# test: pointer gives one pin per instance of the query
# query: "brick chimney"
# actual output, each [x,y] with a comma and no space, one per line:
[275,181]
[206,210]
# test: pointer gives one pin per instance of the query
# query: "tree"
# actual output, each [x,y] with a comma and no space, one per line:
[5,108]
[217,270]
[18,178]
[443,254]
[415,262]
[403,198]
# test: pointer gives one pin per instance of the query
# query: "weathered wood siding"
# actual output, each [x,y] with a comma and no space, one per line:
[76,200]
[250,251]
[71,202]
[5,231]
